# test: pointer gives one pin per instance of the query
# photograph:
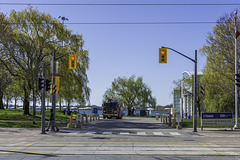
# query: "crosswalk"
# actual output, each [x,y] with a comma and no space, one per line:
[128,133]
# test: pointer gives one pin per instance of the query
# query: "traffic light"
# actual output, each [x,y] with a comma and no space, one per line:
[162,55]
[72,61]
[40,83]
[203,89]
[48,84]
[237,78]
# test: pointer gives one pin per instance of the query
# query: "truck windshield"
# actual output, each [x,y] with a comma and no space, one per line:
[110,105]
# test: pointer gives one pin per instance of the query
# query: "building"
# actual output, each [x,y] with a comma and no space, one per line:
[183,98]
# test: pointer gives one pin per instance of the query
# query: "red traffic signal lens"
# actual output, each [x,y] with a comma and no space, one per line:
[162,52]
[73,58]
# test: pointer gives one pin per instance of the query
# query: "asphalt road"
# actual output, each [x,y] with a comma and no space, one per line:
[127,138]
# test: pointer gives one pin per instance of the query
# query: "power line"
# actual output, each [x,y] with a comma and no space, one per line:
[129,23]
[123,4]
[138,23]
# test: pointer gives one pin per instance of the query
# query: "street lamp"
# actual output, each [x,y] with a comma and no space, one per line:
[63,19]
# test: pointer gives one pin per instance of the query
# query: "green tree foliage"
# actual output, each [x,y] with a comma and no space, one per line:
[132,91]
[219,69]
[29,40]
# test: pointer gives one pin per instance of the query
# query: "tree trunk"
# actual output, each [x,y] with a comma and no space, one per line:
[26,106]
[15,104]
[7,103]
[1,101]
[26,101]
[129,111]
[60,102]
[34,104]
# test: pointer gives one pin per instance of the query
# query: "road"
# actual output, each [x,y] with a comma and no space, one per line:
[127,138]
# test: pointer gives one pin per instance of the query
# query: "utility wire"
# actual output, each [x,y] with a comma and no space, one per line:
[139,23]
[123,4]
[130,23]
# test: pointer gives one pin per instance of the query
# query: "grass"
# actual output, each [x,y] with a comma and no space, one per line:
[24,124]
[11,114]
[10,118]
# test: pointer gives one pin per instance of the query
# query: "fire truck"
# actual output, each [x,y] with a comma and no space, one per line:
[112,107]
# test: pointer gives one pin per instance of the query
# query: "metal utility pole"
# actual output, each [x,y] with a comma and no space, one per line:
[236,72]
[43,101]
[54,94]
[195,95]
[195,86]
[53,84]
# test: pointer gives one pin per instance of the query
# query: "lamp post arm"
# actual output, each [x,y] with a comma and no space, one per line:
[180,54]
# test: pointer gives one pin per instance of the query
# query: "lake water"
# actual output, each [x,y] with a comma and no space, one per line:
[152,113]
[89,111]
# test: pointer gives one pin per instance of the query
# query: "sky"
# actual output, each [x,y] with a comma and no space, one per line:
[132,49]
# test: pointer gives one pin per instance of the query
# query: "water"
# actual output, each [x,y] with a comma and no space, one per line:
[136,112]
[152,113]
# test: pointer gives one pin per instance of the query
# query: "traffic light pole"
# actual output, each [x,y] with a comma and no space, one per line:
[54,94]
[53,84]
[43,102]
[195,86]
[236,87]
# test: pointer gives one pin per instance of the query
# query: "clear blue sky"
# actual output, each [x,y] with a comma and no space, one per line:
[125,50]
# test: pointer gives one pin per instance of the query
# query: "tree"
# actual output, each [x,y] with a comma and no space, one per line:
[5,77]
[133,92]
[34,37]
[219,70]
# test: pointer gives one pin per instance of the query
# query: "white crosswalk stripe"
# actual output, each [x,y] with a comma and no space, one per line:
[74,133]
[132,133]
[90,133]
[158,133]
[174,133]
[141,133]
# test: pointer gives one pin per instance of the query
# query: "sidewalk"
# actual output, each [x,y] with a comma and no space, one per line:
[20,135]
[215,135]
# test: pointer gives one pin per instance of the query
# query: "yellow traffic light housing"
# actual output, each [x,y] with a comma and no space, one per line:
[203,89]
[162,55]
[72,61]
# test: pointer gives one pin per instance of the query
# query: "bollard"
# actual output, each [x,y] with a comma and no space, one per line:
[78,121]
[174,121]
[70,125]
[90,118]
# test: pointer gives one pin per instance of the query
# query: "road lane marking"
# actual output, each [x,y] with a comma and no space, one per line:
[74,133]
[158,133]
[90,133]
[107,132]
[13,150]
[175,133]
[124,133]
[141,133]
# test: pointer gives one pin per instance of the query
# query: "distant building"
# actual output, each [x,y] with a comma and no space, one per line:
[183,99]
[176,100]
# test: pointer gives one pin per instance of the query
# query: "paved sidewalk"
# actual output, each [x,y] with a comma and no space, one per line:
[215,135]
